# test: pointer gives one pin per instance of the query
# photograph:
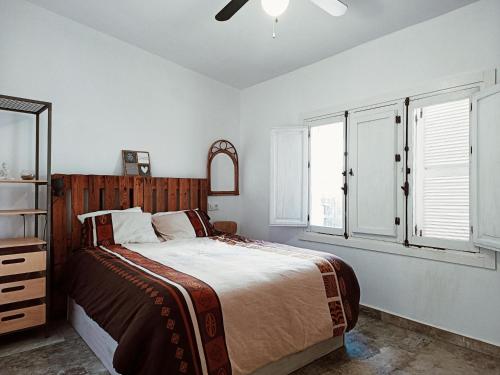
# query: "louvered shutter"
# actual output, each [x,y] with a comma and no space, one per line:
[443,191]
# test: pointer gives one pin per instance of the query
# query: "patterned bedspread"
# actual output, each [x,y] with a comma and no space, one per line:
[221,305]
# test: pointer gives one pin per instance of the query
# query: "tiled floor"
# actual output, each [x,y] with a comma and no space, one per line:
[374,347]
[377,347]
[66,354]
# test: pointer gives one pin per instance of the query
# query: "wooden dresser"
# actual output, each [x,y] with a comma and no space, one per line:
[22,284]
[25,260]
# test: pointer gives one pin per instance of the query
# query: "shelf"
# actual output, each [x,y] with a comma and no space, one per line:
[21,181]
[29,211]
[17,242]
[11,103]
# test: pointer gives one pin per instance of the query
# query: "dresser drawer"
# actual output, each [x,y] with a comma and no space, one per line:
[22,290]
[14,264]
[22,318]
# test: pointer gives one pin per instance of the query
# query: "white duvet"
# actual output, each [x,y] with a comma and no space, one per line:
[273,304]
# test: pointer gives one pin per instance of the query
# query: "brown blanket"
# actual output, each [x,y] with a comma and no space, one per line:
[147,316]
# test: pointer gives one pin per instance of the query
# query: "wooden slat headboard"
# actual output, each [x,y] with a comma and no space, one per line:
[74,194]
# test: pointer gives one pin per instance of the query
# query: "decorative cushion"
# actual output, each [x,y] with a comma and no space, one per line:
[87,237]
[118,228]
[183,224]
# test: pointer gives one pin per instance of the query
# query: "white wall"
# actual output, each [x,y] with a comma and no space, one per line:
[457,298]
[107,96]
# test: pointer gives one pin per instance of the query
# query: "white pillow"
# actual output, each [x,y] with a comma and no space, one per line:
[176,226]
[82,217]
[133,227]
[182,224]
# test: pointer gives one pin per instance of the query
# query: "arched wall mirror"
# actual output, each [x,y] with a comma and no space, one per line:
[222,169]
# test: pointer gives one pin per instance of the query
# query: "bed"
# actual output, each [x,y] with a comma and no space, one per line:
[217,305]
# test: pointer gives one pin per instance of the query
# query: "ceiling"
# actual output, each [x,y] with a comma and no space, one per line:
[242,52]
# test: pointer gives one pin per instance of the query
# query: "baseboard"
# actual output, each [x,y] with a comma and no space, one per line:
[437,333]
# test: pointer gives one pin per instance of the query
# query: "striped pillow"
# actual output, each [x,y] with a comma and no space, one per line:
[118,228]
[183,224]
[97,231]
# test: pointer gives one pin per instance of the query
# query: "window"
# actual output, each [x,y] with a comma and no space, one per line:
[419,172]
[438,210]
[441,171]
[326,176]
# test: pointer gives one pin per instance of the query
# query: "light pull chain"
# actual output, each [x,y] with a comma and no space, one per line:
[274,27]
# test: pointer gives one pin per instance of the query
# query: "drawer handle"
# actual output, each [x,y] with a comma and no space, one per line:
[13,289]
[13,317]
[14,261]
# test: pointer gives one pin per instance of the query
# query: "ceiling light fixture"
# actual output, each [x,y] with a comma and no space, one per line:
[275,8]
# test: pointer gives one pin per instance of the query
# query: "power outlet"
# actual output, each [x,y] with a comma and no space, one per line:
[213,207]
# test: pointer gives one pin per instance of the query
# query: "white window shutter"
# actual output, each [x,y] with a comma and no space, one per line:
[486,168]
[289,176]
[374,183]
[444,171]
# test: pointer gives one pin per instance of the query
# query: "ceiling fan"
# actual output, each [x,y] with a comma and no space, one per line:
[275,8]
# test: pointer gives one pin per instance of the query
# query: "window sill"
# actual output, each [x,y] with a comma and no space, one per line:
[483,259]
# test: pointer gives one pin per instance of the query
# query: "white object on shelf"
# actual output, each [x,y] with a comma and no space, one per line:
[4,172]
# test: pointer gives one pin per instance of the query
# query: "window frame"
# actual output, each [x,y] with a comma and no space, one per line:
[424,101]
[310,123]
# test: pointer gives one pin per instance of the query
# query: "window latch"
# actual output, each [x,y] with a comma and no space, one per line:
[351,173]
[344,188]
[406,188]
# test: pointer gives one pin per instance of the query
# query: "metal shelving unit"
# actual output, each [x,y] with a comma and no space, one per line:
[21,258]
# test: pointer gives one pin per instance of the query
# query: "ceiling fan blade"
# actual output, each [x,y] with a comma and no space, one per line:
[334,7]
[230,9]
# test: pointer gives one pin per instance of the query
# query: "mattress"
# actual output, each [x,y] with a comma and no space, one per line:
[219,305]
